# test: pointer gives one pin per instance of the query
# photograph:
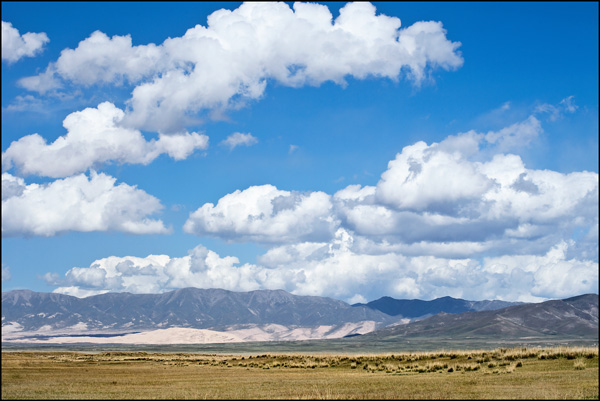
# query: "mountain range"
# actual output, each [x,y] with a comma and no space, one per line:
[416,308]
[262,314]
[571,317]
[216,315]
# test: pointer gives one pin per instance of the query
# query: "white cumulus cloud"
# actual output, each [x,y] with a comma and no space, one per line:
[201,268]
[421,178]
[77,203]
[447,199]
[95,137]
[265,214]
[338,269]
[231,59]
[16,46]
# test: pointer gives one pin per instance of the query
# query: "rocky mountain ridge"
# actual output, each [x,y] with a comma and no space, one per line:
[214,309]
[268,315]
[570,317]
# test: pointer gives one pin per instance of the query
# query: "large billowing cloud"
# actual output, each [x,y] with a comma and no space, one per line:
[453,171]
[337,269]
[231,60]
[460,217]
[265,214]
[452,192]
[95,137]
[423,178]
[457,198]
[76,203]
[445,219]
[158,273]
[16,46]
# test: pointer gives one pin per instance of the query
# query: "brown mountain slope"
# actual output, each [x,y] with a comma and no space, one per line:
[576,317]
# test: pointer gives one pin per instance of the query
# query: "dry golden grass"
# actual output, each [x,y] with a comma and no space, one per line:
[548,373]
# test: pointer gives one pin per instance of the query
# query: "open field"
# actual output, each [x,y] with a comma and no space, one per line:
[541,373]
[353,345]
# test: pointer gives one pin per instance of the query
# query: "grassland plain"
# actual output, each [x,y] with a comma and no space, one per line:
[526,373]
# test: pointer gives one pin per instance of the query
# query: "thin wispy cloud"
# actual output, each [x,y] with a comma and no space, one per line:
[555,112]
[5,273]
[238,139]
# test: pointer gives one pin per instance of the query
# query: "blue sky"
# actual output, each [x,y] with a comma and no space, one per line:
[414,150]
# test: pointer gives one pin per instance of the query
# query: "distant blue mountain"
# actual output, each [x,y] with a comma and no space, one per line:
[416,308]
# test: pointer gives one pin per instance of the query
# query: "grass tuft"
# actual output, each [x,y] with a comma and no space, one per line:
[579,364]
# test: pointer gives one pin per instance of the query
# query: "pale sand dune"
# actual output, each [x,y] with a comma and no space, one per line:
[163,336]
[275,332]
[178,335]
